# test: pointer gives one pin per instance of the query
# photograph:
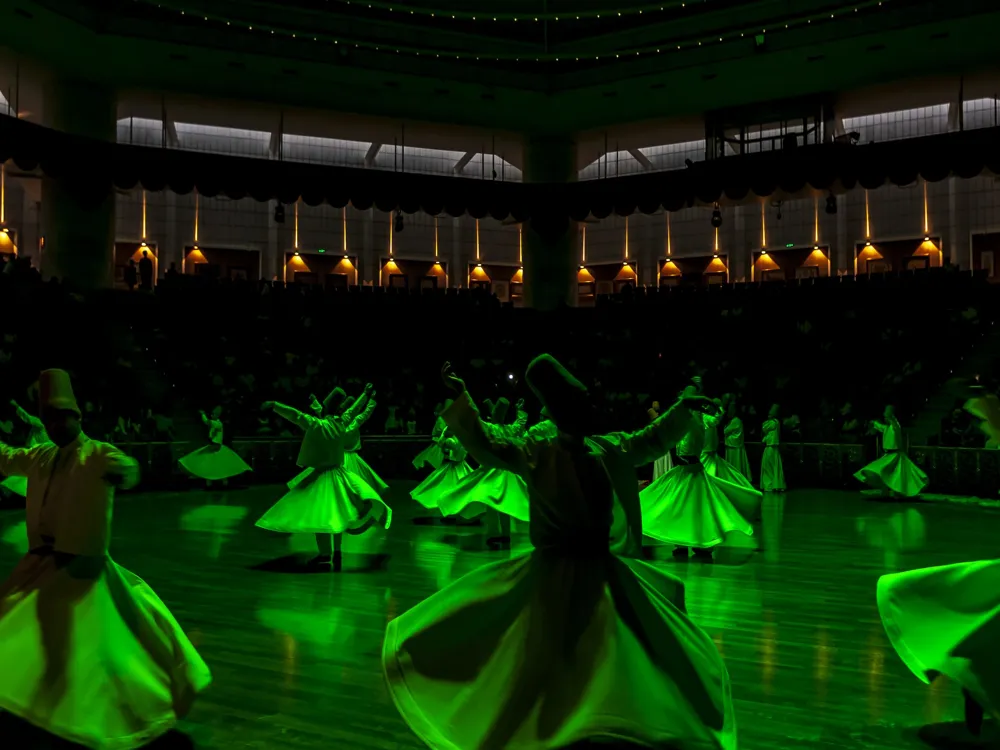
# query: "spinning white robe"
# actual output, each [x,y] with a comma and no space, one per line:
[736,452]
[87,651]
[772,472]
[569,642]
[893,471]
[946,620]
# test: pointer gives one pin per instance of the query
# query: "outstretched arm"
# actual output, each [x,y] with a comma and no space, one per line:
[494,448]
[15,462]
[290,413]
[652,442]
[33,422]
[120,470]
[356,409]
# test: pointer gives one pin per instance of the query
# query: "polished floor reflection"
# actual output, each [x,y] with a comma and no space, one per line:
[295,654]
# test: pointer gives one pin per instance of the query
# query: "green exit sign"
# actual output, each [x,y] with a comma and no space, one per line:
[788,244]
[321,250]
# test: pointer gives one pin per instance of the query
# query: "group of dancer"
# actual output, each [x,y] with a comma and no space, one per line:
[576,640]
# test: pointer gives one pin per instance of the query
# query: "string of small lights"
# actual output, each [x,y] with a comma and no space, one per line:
[663,48]
[480,15]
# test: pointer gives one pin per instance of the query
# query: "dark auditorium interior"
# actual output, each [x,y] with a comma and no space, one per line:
[216,204]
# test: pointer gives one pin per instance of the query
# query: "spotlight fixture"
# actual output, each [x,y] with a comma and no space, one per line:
[141,244]
[279,213]
[716,217]
[5,230]
[831,204]
[927,238]
[347,257]
[868,243]
[397,225]
[582,267]
[815,247]
[296,253]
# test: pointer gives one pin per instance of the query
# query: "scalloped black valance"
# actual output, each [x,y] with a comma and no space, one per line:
[92,167]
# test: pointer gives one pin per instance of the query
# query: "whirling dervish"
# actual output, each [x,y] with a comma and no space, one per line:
[715,464]
[88,652]
[736,452]
[893,473]
[772,472]
[543,650]
[326,499]
[453,468]
[689,506]
[490,490]
[214,462]
[946,620]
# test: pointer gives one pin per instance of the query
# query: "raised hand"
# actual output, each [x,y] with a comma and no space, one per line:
[695,402]
[520,404]
[454,383]
[369,390]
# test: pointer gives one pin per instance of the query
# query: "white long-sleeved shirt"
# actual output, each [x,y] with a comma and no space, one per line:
[69,498]
[892,434]
[772,432]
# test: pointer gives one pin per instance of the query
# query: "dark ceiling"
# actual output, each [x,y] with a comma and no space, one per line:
[558,74]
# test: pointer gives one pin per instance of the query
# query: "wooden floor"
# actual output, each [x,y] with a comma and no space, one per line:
[295,656]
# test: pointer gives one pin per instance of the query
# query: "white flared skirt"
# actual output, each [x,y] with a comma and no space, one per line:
[894,472]
[214,463]
[772,472]
[691,508]
[485,488]
[355,464]
[440,483]
[946,620]
[89,653]
[325,501]
[431,455]
[542,653]
[662,465]
[737,458]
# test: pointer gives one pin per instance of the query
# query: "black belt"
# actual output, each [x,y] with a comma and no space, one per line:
[689,460]
[80,566]
[891,450]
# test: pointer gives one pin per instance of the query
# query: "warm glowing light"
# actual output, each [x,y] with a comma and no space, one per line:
[763,227]
[868,219]
[435,237]
[816,219]
[477,240]
[668,233]
[763,252]
[295,241]
[583,246]
[479,265]
[927,215]
[296,253]
[520,242]
[196,209]
[626,237]
[391,232]
[343,222]
[144,218]
[5,230]
[3,195]
[716,239]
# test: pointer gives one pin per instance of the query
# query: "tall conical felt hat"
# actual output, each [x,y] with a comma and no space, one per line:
[564,398]
[334,401]
[55,391]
